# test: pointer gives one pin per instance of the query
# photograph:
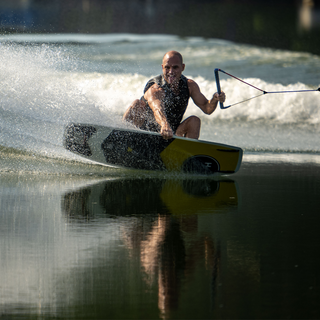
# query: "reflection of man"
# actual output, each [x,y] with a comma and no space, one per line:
[165,101]
[164,255]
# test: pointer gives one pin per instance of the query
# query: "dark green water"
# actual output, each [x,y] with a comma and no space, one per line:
[242,247]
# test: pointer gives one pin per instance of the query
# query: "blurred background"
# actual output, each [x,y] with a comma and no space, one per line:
[282,24]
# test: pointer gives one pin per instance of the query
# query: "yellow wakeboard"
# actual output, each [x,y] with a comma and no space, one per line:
[144,150]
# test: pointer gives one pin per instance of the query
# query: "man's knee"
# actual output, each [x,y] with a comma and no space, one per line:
[136,113]
[136,109]
[195,121]
[189,128]
[138,106]
[135,102]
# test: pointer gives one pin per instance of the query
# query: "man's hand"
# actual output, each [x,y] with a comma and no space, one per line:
[207,106]
[219,97]
[166,132]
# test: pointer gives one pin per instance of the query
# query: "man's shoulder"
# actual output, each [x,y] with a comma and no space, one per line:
[153,91]
[192,84]
[155,81]
[190,80]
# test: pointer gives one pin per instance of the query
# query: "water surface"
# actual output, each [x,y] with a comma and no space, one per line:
[79,240]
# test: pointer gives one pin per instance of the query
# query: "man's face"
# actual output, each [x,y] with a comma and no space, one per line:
[172,68]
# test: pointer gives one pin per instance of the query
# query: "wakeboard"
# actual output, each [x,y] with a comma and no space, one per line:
[144,150]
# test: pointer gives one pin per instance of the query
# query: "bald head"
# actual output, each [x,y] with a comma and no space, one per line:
[171,54]
[172,67]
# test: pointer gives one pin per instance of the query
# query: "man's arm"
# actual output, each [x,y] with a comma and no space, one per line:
[207,106]
[155,96]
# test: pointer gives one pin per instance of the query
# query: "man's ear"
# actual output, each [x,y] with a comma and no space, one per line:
[183,66]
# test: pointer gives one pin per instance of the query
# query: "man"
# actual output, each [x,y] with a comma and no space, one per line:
[165,101]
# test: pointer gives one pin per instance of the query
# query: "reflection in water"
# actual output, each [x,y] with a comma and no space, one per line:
[170,253]
[163,253]
[151,196]
[75,204]
[77,248]
[161,229]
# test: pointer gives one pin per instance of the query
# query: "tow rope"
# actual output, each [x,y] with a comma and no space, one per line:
[216,72]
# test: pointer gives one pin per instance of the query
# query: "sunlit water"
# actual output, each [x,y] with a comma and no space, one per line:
[79,240]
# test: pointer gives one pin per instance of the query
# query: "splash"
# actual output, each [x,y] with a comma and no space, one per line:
[38,97]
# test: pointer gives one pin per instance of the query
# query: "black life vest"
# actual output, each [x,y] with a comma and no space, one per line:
[174,105]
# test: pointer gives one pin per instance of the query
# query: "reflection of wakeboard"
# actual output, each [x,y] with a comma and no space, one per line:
[127,197]
[149,151]
[199,196]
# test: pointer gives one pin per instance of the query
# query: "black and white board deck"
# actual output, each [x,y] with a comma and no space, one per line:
[137,149]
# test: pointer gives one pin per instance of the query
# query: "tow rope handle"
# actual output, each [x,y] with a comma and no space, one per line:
[216,73]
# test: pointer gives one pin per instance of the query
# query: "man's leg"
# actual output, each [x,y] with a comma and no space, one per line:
[135,113]
[189,128]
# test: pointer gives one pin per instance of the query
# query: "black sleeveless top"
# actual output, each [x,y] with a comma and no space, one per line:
[174,105]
